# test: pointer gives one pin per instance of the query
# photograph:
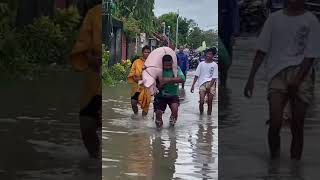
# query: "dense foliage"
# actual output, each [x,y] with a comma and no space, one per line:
[35,46]
[116,73]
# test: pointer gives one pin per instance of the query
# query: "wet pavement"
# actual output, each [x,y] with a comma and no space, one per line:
[243,149]
[39,130]
[136,149]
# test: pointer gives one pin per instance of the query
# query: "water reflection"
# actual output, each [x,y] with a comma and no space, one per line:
[203,151]
[164,155]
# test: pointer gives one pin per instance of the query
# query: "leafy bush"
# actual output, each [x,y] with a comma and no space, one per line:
[116,73]
[42,42]
[69,21]
[51,40]
[105,56]
[45,41]
[105,71]
[12,63]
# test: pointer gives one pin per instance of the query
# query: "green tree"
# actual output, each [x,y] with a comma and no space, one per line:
[184,26]
[137,15]
[195,38]
[211,37]
[189,33]
[170,19]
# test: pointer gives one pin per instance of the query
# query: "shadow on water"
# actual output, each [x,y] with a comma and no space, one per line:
[135,149]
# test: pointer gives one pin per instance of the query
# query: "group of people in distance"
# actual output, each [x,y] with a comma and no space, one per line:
[86,57]
[288,44]
[206,74]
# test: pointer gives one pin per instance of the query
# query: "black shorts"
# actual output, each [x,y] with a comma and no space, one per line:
[93,108]
[161,103]
[136,96]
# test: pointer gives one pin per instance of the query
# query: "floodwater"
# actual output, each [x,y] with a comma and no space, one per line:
[39,130]
[136,149]
[243,149]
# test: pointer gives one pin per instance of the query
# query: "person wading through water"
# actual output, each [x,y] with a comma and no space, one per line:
[183,62]
[133,78]
[86,58]
[168,92]
[289,45]
[206,75]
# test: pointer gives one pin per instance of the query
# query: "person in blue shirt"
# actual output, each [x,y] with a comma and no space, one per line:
[183,62]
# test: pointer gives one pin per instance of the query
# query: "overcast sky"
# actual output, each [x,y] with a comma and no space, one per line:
[204,12]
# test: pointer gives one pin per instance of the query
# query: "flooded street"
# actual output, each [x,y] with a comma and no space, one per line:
[243,149]
[135,149]
[39,130]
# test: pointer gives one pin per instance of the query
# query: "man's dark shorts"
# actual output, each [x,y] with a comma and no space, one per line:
[136,96]
[93,108]
[161,103]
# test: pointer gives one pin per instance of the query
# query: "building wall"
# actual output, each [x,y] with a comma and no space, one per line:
[124,47]
[116,46]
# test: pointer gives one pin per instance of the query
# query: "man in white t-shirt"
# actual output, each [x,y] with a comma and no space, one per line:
[206,75]
[289,43]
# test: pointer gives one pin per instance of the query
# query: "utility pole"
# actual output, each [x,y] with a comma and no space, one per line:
[168,35]
[164,28]
[177,29]
[107,25]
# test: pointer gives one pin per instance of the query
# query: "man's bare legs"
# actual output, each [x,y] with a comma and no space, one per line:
[201,102]
[134,105]
[144,114]
[174,113]
[159,122]
[277,101]
[297,124]
[210,101]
